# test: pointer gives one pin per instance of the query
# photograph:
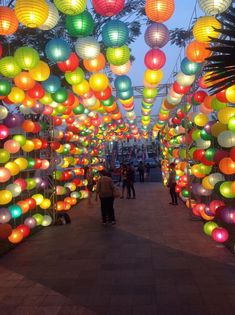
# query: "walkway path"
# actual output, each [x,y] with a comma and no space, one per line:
[155,261]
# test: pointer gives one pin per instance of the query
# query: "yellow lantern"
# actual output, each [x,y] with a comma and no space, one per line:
[217,128]
[41,72]
[22,163]
[46,99]
[230,94]
[205,27]
[13,168]
[16,95]
[82,88]
[70,7]
[31,13]
[153,76]
[224,114]
[5,197]
[201,120]
[98,82]
[28,147]
[52,19]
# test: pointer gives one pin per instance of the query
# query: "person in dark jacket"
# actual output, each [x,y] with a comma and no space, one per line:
[131,181]
[141,171]
[172,184]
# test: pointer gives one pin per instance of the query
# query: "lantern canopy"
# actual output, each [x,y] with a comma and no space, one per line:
[159,10]
[57,50]
[31,13]
[108,7]
[87,48]
[70,7]
[52,19]
[80,25]
[115,33]
[157,35]
[8,21]
[213,7]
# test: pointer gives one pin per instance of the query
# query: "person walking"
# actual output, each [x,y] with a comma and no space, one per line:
[148,170]
[141,171]
[105,190]
[172,184]
[124,181]
[131,180]
[90,186]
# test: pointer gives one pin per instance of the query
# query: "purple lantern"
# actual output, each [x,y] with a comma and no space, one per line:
[38,108]
[157,35]
[30,222]
[12,120]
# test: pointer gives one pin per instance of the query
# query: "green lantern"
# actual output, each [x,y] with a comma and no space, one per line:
[209,227]
[20,139]
[31,162]
[75,77]
[217,105]
[60,109]
[9,67]
[115,33]
[31,183]
[27,57]
[80,25]
[78,110]
[118,56]
[149,93]
[209,155]
[204,135]
[109,101]
[60,95]
[5,88]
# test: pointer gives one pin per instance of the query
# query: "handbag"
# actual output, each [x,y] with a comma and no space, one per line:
[116,192]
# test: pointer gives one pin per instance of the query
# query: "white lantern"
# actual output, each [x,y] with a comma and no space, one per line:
[131,115]
[215,178]
[47,220]
[87,48]
[185,80]
[226,139]
[52,19]
[213,7]
[89,102]
[173,100]
[202,144]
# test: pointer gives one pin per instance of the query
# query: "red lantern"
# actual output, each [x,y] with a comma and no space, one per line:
[55,145]
[219,155]
[180,89]
[70,100]
[24,229]
[155,59]
[38,164]
[108,7]
[199,96]
[31,202]
[70,64]
[44,144]
[36,92]
[57,121]
[37,128]
[198,154]
[232,154]
[104,95]
[221,96]
[5,230]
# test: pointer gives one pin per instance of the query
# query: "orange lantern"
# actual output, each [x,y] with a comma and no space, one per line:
[111,108]
[227,166]
[96,64]
[24,81]
[8,21]
[159,10]
[198,52]
[37,143]
[117,115]
[24,206]
[29,102]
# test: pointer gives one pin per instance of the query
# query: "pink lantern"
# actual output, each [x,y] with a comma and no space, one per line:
[215,204]
[220,235]
[12,146]
[108,7]
[155,59]
[4,132]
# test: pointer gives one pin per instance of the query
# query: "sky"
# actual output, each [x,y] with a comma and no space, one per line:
[181,18]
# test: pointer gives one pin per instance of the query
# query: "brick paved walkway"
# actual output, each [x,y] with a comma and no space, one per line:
[156,261]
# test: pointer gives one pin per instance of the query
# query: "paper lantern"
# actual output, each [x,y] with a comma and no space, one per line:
[24,81]
[226,139]
[118,56]
[108,7]
[70,64]
[225,114]
[5,197]
[52,18]
[57,50]
[205,27]
[225,190]
[5,87]
[52,84]
[220,235]
[122,83]
[80,25]
[16,236]
[188,67]
[8,21]
[159,10]
[98,82]
[16,95]
[227,166]
[3,110]
[31,13]
[5,215]
[213,7]
[87,48]
[47,220]
[75,77]
[4,132]
[30,222]
[41,72]
[185,80]
[230,94]
[153,76]
[70,7]
[155,59]
[197,52]
[9,67]
[115,33]
[157,35]
[27,57]
[11,146]
[121,70]
[95,65]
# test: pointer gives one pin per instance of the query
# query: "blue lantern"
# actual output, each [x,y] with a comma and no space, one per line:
[123,83]
[57,50]
[190,68]
[115,33]
[15,211]
[125,95]
[52,84]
